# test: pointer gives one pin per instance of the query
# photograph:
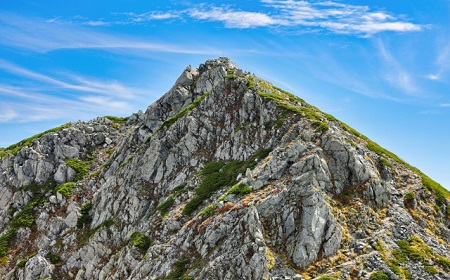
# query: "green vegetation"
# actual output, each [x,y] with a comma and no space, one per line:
[171,120]
[399,255]
[217,175]
[326,278]
[241,189]
[37,189]
[179,271]
[105,223]
[385,162]
[15,148]
[230,74]
[25,218]
[394,263]
[116,119]
[415,249]
[379,275]
[6,241]
[208,211]
[165,206]
[177,191]
[80,167]
[430,269]
[444,262]
[24,261]
[279,121]
[85,217]
[320,126]
[66,189]
[53,258]
[140,240]
[251,82]
[408,199]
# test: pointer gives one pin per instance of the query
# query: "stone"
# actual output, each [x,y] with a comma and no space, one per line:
[319,201]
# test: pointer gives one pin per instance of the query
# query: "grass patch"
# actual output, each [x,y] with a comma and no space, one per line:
[6,241]
[105,223]
[219,174]
[15,148]
[326,278]
[26,217]
[116,119]
[85,217]
[230,74]
[320,126]
[66,189]
[379,275]
[399,256]
[24,261]
[431,269]
[415,249]
[140,240]
[208,211]
[385,162]
[165,206]
[282,119]
[408,199]
[81,168]
[216,175]
[179,271]
[53,258]
[36,189]
[251,82]
[177,191]
[171,120]
[444,262]
[241,189]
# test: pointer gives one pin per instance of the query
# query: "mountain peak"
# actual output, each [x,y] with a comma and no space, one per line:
[226,176]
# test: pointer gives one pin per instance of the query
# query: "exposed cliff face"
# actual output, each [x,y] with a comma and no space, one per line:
[224,177]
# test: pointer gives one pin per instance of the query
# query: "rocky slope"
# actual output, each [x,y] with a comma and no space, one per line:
[225,177]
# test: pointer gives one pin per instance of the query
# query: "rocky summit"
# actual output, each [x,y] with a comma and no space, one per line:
[226,176]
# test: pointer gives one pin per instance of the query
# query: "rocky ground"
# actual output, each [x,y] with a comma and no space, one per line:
[225,177]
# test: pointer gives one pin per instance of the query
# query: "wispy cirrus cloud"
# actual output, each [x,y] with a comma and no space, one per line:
[38,97]
[300,16]
[41,35]
[442,62]
[395,73]
[338,17]
[77,83]
[234,19]
[309,16]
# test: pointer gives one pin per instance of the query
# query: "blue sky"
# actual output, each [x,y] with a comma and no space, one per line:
[382,66]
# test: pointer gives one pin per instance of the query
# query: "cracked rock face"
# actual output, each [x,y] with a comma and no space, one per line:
[224,177]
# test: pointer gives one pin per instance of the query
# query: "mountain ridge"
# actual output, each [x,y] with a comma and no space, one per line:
[221,145]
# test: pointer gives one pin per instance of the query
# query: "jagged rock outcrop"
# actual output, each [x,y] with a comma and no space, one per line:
[224,177]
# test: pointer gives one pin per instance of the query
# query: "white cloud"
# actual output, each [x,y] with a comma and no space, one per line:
[234,19]
[48,35]
[434,77]
[106,102]
[298,15]
[325,15]
[79,83]
[40,97]
[445,105]
[442,61]
[96,23]
[7,115]
[394,73]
